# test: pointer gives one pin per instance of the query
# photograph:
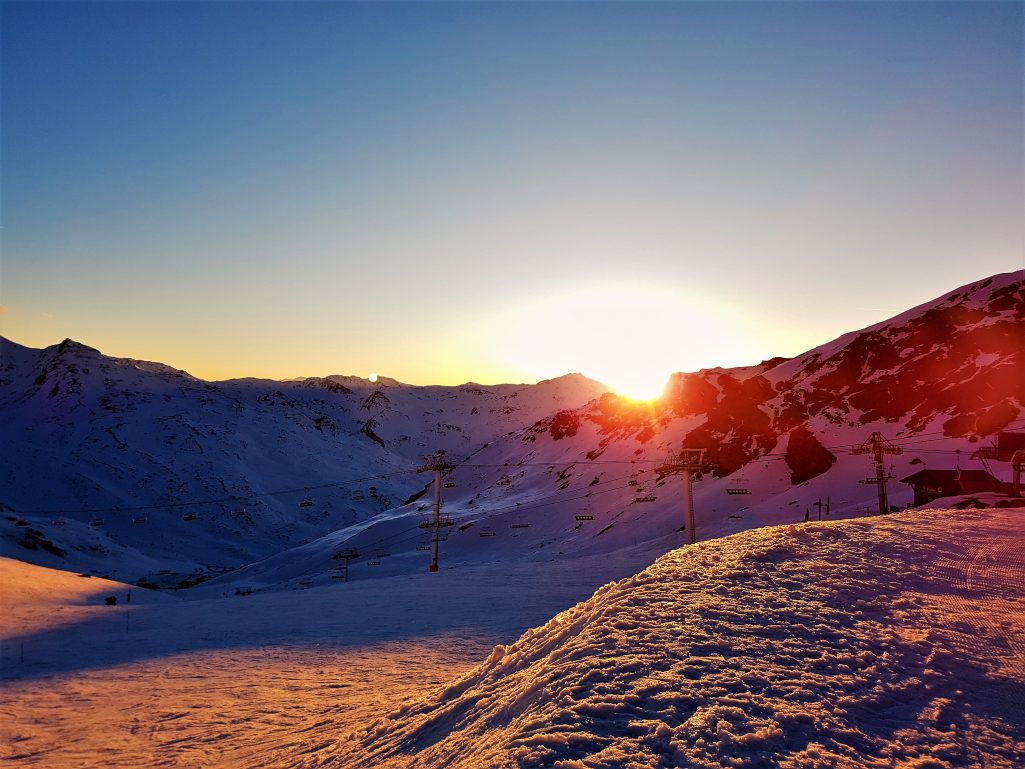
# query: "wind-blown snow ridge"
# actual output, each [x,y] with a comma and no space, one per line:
[852,644]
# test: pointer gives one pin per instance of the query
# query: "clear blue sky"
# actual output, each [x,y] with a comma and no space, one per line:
[288,188]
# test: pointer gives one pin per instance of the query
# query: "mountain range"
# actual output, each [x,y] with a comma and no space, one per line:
[145,473]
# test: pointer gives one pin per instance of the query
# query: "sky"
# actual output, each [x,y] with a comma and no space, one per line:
[444,193]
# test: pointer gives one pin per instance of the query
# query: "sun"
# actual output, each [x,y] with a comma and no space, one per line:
[372,378]
[629,336]
[640,389]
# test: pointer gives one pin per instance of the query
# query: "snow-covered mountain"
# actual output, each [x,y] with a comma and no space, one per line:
[550,470]
[194,467]
[937,381]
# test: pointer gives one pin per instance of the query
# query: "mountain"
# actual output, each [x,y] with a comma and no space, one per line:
[87,433]
[938,381]
[552,470]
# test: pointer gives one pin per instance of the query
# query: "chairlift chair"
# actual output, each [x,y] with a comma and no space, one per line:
[306,502]
[189,517]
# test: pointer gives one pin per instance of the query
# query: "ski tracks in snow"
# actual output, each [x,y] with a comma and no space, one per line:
[987,598]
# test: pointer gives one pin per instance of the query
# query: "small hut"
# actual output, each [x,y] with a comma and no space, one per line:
[932,484]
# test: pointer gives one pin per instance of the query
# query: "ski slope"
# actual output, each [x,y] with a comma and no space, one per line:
[894,642]
[138,471]
[883,642]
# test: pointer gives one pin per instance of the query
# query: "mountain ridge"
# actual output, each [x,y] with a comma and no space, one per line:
[93,432]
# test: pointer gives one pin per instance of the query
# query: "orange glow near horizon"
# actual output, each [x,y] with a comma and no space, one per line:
[629,337]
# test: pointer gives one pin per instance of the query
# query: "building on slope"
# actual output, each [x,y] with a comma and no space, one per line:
[930,484]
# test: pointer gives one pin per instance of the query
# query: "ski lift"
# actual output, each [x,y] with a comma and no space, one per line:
[337,576]
[307,502]
[584,517]
[450,484]
[520,526]
[423,547]
[740,517]
[487,534]
[649,498]
[373,563]
[632,482]
[740,491]
[96,522]
[382,555]
[428,523]
[140,519]
[189,517]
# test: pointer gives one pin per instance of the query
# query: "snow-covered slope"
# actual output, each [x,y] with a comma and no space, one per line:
[180,475]
[552,470]
[844,644]
[938,381]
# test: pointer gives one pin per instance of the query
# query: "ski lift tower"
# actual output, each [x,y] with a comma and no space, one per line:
[346,555]
[878,447]
[689,463]
[436,463]
[1017,466]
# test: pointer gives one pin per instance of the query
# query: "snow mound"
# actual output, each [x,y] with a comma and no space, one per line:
[849,644]
[34,598]
[24,584]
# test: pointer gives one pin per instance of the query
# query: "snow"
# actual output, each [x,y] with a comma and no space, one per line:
[272,679]
[887,642]
[892,642]
[101,432]
[86,431]
[883,642]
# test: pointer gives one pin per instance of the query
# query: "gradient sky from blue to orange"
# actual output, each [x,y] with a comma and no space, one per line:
[285,189]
